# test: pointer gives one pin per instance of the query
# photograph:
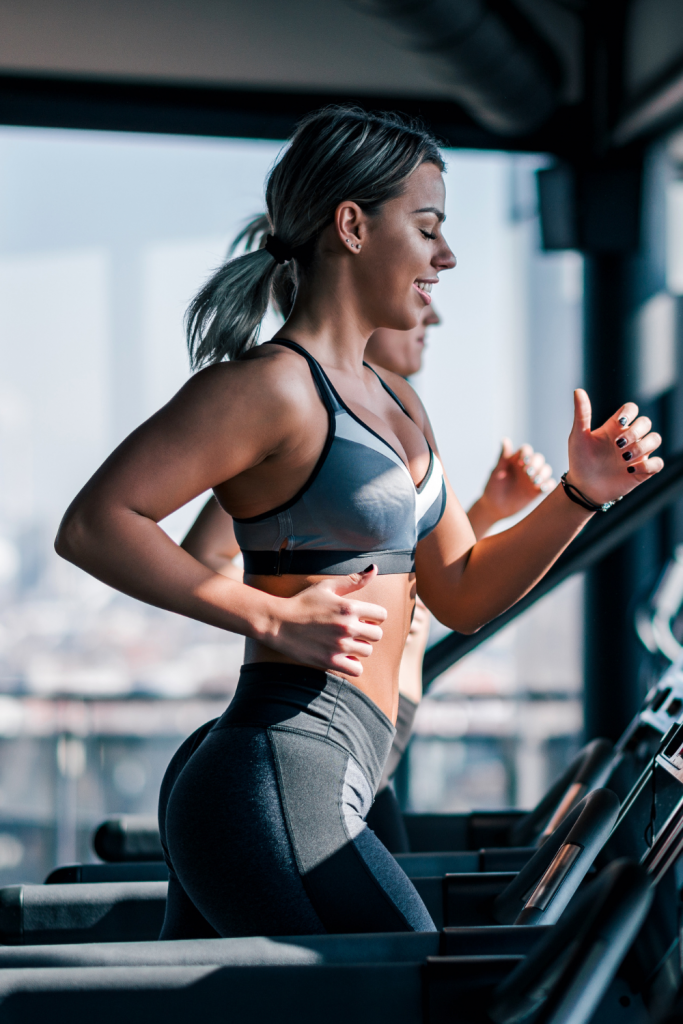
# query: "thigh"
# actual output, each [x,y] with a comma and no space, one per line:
[176,765]
[182,920]
[228,841]
[386,821]
[353,881]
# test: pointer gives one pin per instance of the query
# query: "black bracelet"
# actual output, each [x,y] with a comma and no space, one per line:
[579,498]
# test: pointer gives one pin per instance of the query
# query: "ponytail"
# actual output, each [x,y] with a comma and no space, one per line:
[284,283]
[223,320]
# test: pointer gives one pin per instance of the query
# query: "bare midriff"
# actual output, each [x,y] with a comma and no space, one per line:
[379,680]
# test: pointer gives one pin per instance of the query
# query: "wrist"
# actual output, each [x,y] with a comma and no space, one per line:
[266,623]
[568,508]
[579,496]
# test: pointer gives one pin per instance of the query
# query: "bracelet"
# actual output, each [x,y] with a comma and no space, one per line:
[579,498]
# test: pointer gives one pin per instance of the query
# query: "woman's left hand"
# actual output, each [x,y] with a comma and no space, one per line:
[518,478]
[607,463]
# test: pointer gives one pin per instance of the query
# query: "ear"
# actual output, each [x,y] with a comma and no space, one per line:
[349,223]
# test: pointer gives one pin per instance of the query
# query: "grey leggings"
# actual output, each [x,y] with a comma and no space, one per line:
[262,815]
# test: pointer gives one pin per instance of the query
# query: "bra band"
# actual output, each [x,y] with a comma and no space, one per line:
[303,562]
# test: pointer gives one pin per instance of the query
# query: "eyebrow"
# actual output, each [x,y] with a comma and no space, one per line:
[432,209]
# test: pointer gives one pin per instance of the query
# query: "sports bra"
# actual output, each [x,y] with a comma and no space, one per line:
[359,505]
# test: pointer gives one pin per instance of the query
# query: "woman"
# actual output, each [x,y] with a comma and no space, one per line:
[517,479]
[331,474]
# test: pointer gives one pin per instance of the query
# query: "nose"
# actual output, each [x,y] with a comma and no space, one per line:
[431,318]
[444,258]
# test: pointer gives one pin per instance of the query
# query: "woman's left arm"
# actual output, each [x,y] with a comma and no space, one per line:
[467,583]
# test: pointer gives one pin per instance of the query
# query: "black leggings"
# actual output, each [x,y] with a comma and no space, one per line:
[263,822]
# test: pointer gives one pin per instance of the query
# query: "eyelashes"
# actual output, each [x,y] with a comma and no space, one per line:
[428,234]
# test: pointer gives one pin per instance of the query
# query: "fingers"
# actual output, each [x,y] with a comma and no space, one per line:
[639,450]
[535,466]
[353,647]
[625,416]
[525,453]
[348,665]
[363,630]
[637,430]
[506,450]
[647,468]
[543,477]
[353,582]
[582,411]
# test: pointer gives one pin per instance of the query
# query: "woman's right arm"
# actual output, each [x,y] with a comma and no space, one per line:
[226,421]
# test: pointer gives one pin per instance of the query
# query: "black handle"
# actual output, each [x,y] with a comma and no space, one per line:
[128,838]
[574,965]
[587,771]
[542,889]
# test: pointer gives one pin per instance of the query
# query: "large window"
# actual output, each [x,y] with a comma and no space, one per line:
[103,240]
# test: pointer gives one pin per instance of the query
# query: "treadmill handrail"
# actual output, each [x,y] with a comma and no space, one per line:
[602,535]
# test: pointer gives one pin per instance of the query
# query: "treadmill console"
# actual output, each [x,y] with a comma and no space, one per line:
[663,707]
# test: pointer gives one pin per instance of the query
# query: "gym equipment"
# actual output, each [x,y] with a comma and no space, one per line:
[135,871]
[597,764]
[415,865]
[128,838]
[564,978]
[102,912]
[111,911]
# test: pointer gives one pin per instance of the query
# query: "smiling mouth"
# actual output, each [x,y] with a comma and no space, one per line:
[424,289]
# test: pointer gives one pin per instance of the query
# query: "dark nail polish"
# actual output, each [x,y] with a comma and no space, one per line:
[630,469]
[370,567]
[627,456]
[621,442]
[623,421]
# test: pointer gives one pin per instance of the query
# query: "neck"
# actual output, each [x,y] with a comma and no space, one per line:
[326,320]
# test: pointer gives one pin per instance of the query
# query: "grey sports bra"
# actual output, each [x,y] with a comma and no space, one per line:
[359,505]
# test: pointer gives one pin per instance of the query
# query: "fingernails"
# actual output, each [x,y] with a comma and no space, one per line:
[623,421]
[630,469]
[369,568]
[627,456]
[537,480]
[621,442]
[525,460]
[530,471]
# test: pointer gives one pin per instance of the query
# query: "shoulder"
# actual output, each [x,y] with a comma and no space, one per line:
[270,392]
[266,376]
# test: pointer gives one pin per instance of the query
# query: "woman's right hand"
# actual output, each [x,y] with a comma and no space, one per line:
[325,627]
[608,462]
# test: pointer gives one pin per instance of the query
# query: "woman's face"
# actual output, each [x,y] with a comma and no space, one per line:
[402,252]
[401,351]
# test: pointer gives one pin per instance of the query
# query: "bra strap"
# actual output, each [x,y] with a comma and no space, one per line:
[389,390]
[319,376]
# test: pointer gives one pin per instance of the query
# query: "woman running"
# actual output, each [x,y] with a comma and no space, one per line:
[342,512]
[518,478]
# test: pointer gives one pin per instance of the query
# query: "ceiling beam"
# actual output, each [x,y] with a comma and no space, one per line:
[67,102]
